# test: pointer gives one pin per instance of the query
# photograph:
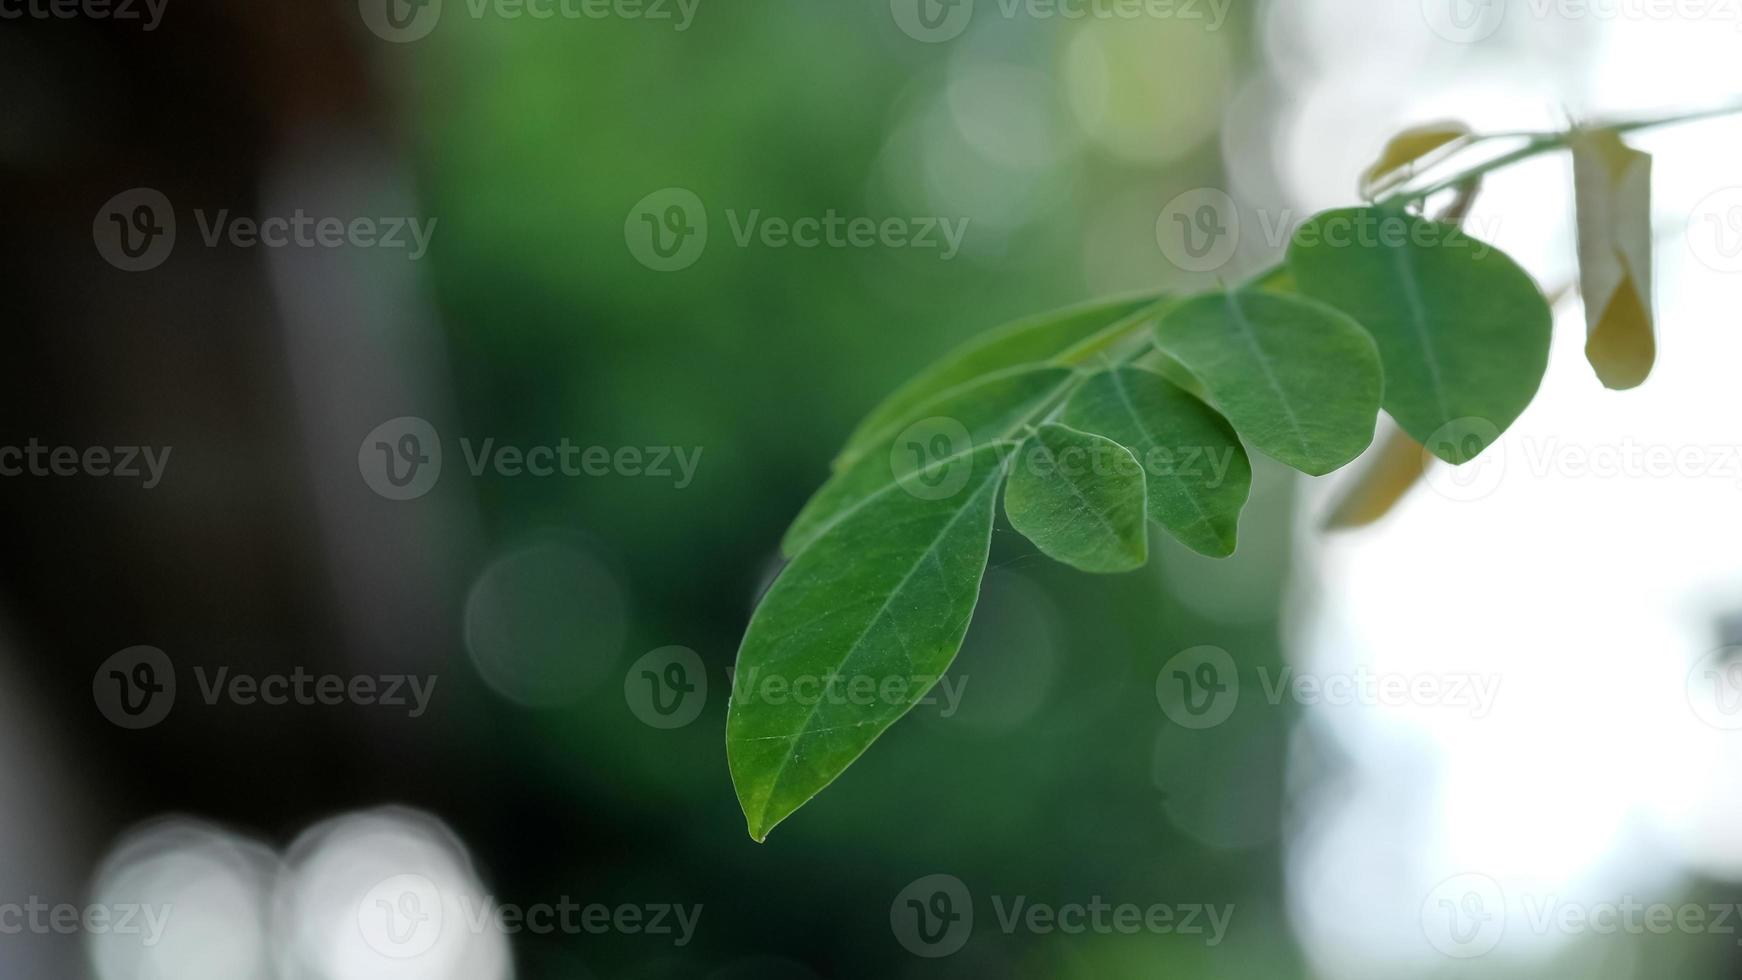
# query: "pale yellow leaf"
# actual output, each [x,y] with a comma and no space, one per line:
[1405,150]
[1392,467]
[1612,185]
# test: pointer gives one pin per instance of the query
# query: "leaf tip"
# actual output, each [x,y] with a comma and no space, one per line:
[1217,542]
[1622,346]
[760,825]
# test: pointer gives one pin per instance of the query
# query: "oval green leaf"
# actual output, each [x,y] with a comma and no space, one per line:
[1080,499]
[1299,380]
[993,409]
[879,603]
[1463,332]
[1197,472]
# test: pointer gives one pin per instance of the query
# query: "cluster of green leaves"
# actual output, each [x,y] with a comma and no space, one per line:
[1096,421]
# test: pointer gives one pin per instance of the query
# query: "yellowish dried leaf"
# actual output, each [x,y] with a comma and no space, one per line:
[1612,186]
[1395,464]
[1406,149]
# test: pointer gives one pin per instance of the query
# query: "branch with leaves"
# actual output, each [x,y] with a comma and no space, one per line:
[1085,421]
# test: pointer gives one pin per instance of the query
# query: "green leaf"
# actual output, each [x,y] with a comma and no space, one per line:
[1197,471]
[1049,337]
[1080,498]
[993,409]
[1462,330]
[1299,380]
[877,607]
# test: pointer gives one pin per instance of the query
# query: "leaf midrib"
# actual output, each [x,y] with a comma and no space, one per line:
[1137,420]
[1065,386]
[1259,354]
[1405,270]
[1088,506]
[930,554]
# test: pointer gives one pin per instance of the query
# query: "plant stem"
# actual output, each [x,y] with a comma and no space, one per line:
[1635,125]
[1539,143]
[1112,337]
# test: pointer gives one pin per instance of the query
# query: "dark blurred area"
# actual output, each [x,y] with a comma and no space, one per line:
[260,370]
